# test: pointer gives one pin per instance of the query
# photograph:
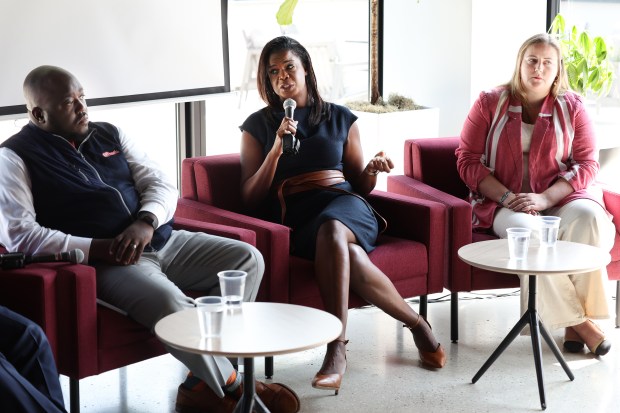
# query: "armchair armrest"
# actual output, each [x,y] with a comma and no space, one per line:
[76,292]
[240,234]
[272,240]
[459,211]
[419,220]
[60,298]
[459,221]
[30,291]
[611,198]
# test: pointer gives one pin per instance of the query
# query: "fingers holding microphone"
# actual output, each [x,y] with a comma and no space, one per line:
[290,143]
[287,127]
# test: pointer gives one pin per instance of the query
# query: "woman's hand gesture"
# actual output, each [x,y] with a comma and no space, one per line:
[380,163]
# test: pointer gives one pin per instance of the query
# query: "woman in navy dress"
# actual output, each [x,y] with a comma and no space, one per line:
[332,225]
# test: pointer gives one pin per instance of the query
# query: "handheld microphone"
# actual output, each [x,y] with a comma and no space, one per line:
[12,260]
[75,256]
[290,144]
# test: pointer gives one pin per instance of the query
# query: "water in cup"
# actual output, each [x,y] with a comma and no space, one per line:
[210,315]
[549,227]
[232,284]
[518,242]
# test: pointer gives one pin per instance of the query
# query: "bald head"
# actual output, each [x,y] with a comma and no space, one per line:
[39,81]
[55,101]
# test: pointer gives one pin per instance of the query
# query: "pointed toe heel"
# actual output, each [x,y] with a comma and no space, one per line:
[436,359]
[327,382]
[330,381]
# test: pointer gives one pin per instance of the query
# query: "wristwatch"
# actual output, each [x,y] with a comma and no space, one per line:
[148,218]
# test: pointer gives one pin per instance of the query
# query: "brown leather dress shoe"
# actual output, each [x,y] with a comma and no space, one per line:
[203,401]
[278,398]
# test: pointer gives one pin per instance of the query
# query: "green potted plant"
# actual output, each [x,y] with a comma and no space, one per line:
[588,67]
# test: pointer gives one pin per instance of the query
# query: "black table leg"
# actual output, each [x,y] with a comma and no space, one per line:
[537,356]
[556,351]
[249,401]
[503,345]
[531,318]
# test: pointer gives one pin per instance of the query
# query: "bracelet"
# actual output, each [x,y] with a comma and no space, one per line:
[371,173]
[503,198]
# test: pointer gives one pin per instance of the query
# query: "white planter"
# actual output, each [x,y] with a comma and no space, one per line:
[388,131]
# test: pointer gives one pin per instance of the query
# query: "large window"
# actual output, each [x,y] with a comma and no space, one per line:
[335,32]
[152,125]
[600,18]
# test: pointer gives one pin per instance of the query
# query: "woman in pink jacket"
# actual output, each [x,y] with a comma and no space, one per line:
[528,148]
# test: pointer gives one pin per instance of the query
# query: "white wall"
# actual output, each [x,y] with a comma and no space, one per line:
[443,53]
[496,41]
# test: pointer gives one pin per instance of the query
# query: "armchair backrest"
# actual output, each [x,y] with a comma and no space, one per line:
[219,181]
[433,161]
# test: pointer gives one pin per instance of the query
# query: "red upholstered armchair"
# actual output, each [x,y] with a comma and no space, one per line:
[430,173]
[87,338]
[411,251]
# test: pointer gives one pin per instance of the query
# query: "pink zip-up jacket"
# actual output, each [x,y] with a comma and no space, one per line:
[563,147]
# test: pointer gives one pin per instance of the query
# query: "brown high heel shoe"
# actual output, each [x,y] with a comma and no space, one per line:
[435,359]
[329,381]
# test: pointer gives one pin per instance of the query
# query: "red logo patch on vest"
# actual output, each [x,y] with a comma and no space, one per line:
[108,154]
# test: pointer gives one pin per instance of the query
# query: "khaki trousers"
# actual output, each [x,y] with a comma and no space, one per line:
[567,300]
[151,289]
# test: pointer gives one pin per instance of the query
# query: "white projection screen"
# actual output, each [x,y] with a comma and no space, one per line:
[120,50]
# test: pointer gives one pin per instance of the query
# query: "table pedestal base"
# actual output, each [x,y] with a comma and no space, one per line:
[531,318]
[249,400]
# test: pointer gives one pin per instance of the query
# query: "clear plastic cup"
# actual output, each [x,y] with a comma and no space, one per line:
[210,314]
[518,242]
[549,227]
[232,284]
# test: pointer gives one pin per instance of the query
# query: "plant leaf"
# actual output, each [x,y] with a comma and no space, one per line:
[558,25]
[584,43]
[284,16]
[601,49]
[595,77]
[586,59]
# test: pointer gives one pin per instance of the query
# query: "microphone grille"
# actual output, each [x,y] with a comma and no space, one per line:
[76,256]
[289,103]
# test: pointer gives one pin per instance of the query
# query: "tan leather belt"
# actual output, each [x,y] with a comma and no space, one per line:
[318,180]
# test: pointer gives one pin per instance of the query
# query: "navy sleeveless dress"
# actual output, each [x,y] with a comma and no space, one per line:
[321,148]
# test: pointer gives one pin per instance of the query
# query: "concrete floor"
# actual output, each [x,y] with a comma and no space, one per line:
[384,374]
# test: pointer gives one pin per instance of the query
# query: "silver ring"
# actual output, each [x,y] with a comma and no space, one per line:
[134,246]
